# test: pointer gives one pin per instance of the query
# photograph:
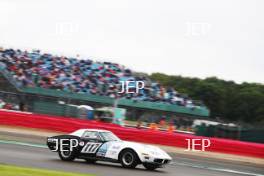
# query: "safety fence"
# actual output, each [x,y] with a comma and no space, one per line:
[201,111]
[62,124]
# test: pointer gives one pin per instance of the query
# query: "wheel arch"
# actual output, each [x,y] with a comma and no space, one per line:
[129,148]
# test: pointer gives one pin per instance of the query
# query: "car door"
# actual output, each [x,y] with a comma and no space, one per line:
[92,141]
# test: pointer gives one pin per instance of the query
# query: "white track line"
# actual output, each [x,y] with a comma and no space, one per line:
[216,169]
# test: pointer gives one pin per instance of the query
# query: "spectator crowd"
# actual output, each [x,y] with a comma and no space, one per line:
[36,69]
[8,106]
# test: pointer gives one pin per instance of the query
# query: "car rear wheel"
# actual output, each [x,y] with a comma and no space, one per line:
[66,155]
[149,166]
[128,158]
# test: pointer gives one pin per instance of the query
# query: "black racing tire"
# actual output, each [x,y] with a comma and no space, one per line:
[90,161]
[67,156]
[150,166]
[129,158]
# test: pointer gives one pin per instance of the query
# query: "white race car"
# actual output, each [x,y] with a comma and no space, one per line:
[101,145]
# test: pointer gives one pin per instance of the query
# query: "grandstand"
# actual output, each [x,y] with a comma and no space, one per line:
[41,79]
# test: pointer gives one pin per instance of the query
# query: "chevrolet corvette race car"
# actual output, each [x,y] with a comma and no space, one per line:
[101,145]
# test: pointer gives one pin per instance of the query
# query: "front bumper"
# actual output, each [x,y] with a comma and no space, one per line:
[161,161]
[157,161]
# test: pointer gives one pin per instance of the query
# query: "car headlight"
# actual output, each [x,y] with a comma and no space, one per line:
[145,154]
[153,153]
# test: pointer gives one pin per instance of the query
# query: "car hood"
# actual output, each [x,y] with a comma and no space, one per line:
[146,149]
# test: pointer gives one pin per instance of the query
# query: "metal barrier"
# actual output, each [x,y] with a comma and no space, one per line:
[202,111]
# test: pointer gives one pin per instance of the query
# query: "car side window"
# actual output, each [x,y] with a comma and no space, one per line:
[91,135]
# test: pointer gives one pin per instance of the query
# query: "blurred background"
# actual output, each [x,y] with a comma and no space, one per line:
[201,63]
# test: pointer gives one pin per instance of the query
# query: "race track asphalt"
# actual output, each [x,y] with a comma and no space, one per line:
[41,157]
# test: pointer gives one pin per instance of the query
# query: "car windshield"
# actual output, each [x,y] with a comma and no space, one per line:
[108,136]
[91,135]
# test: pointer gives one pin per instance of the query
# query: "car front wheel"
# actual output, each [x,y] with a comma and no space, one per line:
[128,158]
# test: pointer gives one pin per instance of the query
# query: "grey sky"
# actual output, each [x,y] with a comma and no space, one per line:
[197,38]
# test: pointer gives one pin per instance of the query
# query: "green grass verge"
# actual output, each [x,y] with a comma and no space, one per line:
[7,170]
